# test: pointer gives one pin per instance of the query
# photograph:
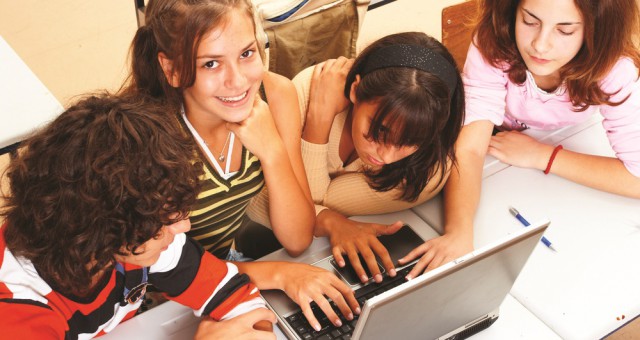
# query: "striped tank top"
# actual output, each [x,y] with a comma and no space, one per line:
[222,203]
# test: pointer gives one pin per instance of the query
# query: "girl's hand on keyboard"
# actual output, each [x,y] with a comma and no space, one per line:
[352,238]
[304,284]
[438,251]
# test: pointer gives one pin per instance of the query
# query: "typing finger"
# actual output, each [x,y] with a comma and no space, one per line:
[308,313]
[413,254]
[337,255]
[385,258]
[372,263]
[421,265]
[354,260]
[344,298]
[326,308]
[436,262]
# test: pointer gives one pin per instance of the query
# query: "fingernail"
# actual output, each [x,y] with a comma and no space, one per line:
[338,323]
[378,278]
[392,272]
[364,278]
[350,316]
[358,310]
[341,263]
[408,277]
[317,327]
[401,260]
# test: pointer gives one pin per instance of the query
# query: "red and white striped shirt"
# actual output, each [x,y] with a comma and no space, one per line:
[31,308]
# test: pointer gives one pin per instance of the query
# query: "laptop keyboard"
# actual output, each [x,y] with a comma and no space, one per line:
[328,330]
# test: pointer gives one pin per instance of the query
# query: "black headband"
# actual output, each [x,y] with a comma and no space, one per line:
[413,56]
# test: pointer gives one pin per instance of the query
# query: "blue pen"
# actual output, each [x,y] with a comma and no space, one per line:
[526,223]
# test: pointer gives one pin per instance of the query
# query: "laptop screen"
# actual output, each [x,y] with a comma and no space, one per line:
[451,298]
[458,297]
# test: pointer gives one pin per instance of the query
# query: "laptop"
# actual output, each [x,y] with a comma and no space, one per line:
[453,301]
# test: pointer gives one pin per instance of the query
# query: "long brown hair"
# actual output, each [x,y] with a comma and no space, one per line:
[420,108]
[610,30]
[176,28]
[100,180]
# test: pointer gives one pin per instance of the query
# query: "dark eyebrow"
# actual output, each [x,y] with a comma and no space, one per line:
[560,23]
[213,56]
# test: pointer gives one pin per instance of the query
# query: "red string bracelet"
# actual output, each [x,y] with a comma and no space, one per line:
[553,156]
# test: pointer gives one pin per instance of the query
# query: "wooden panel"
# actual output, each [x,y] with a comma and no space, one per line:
[457,24]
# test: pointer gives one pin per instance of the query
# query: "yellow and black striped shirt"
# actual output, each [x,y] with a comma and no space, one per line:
[222,203]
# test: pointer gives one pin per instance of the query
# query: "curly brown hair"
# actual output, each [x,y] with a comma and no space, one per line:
[603,19]
[100,180]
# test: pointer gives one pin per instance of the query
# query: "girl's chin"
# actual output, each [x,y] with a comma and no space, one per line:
[237,118]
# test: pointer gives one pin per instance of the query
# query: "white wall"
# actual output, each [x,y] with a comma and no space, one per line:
[402,16]
[78,46]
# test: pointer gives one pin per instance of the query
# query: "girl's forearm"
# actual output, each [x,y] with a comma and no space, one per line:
[290,211]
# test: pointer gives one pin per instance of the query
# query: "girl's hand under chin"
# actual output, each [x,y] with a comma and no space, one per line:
[258,132]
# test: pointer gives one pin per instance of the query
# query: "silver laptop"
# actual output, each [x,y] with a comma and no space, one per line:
[453,301]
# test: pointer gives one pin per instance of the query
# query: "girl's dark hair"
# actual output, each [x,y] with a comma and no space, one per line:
[176,28]
[602,19]
[100,180]
[418,106]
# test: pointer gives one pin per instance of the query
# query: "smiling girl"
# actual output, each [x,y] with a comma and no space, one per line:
[203,58]
[546,64]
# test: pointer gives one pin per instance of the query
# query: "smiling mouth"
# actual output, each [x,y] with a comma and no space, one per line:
[233,99]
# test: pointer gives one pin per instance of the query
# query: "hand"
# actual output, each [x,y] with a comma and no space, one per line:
[246,326]
[327,85]
[438,251]
[518,149]
[305,283]
[258,132]
[326,98]
[352,237]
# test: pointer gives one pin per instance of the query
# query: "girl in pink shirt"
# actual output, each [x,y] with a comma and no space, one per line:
[545,64]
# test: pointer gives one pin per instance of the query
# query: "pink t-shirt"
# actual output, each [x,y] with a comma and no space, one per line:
[490,95]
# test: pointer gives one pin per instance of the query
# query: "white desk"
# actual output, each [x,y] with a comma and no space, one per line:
[432,211]
[593,279]
[25,103]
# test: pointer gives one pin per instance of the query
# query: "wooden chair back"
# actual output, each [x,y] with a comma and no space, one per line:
[457,25]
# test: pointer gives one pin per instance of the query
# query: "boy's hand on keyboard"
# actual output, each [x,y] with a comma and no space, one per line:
[305,283]
[243,326]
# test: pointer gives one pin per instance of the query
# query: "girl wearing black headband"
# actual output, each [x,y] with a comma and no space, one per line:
[378,137]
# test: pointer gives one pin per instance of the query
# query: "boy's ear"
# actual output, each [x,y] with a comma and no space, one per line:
[354,86]
[167,67]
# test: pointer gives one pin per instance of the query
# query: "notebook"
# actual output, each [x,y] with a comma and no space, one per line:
[453,301]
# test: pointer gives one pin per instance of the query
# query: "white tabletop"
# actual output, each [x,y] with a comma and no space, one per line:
[583,290]
[25,103]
